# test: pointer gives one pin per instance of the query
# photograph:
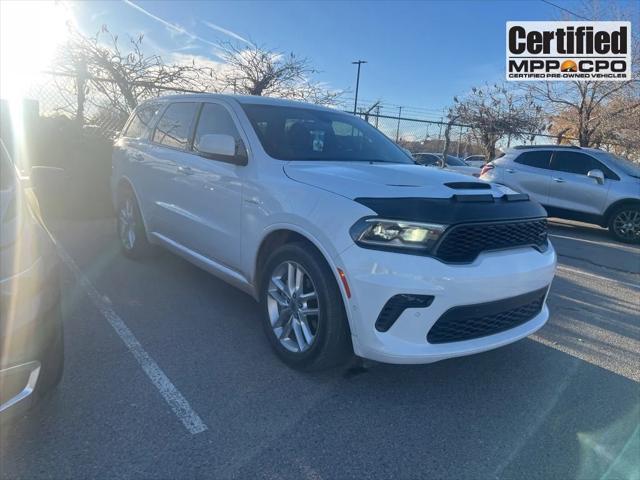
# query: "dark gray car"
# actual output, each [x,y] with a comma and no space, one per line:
[31,339]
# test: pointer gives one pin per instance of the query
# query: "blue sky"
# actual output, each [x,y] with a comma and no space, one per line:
[420,54]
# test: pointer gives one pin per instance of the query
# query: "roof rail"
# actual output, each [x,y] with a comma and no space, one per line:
[527,147]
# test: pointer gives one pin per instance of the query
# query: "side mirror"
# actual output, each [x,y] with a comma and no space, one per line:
[222,147]
[597,175]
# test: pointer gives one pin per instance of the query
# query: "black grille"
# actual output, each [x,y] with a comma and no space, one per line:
[463,243]
[475,321]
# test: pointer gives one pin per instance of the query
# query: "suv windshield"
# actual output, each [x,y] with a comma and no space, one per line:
[292,133]
[627,166]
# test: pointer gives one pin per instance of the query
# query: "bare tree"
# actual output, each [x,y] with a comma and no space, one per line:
[620,133]
[494,112]
[257,70]
[452,117]
[586,110]
[591,111]
[124,78]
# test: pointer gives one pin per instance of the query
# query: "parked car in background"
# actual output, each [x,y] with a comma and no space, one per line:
[476,160]
[452,163]
[31,340]
[347,244]
[407,151]
[575,183]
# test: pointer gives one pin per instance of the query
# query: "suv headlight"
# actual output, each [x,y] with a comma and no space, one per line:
[396,234]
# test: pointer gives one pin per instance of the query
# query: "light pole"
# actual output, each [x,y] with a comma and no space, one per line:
[355,104]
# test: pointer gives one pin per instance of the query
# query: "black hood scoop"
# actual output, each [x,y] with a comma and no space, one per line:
[468,185]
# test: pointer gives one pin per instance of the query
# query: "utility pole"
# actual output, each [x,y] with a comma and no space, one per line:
[355,104]
[398,127]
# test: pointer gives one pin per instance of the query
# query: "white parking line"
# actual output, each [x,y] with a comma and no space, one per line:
[189,418]
[599,243]
[599,277]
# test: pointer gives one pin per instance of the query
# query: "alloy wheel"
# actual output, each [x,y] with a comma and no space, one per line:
[627,224]
[292,302]
[127,224]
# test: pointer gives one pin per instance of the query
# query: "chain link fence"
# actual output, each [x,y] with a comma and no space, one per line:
[55,96]
[420,135]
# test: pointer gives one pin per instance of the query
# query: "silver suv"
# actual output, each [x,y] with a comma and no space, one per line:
[576,183]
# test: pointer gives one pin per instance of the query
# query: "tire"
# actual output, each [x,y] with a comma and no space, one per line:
[131,231]
[624,224]
[288,315]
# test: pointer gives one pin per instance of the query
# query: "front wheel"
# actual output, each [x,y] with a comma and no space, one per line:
[624,224]
[304,316]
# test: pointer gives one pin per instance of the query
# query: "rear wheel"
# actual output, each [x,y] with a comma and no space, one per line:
[131,231]
[624,224]
[304,316]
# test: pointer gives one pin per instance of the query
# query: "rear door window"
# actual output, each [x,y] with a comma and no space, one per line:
[535,158]
[175,126]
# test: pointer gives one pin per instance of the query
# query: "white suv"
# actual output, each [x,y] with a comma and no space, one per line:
[345,242]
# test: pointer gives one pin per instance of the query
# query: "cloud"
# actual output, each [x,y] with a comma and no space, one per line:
[148,41]
[171,26]
[185,48]
[98,15]
[213,26]
[178,58]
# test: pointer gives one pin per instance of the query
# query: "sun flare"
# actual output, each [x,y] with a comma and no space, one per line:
[30,33]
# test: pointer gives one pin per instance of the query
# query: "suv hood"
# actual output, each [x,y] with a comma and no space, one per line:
[360,179]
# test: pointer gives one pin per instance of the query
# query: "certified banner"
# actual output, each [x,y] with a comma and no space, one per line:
[582,51]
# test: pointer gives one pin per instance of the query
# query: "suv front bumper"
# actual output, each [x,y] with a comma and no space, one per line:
[375,276]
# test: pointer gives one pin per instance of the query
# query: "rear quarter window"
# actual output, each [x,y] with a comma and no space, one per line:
[141,122]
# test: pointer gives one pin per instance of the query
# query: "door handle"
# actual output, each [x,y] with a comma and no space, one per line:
[138,157]
[557,180]
[509,170]
[185,170]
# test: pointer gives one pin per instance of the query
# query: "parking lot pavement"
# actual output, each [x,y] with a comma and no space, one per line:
[560,404]
[592,245]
